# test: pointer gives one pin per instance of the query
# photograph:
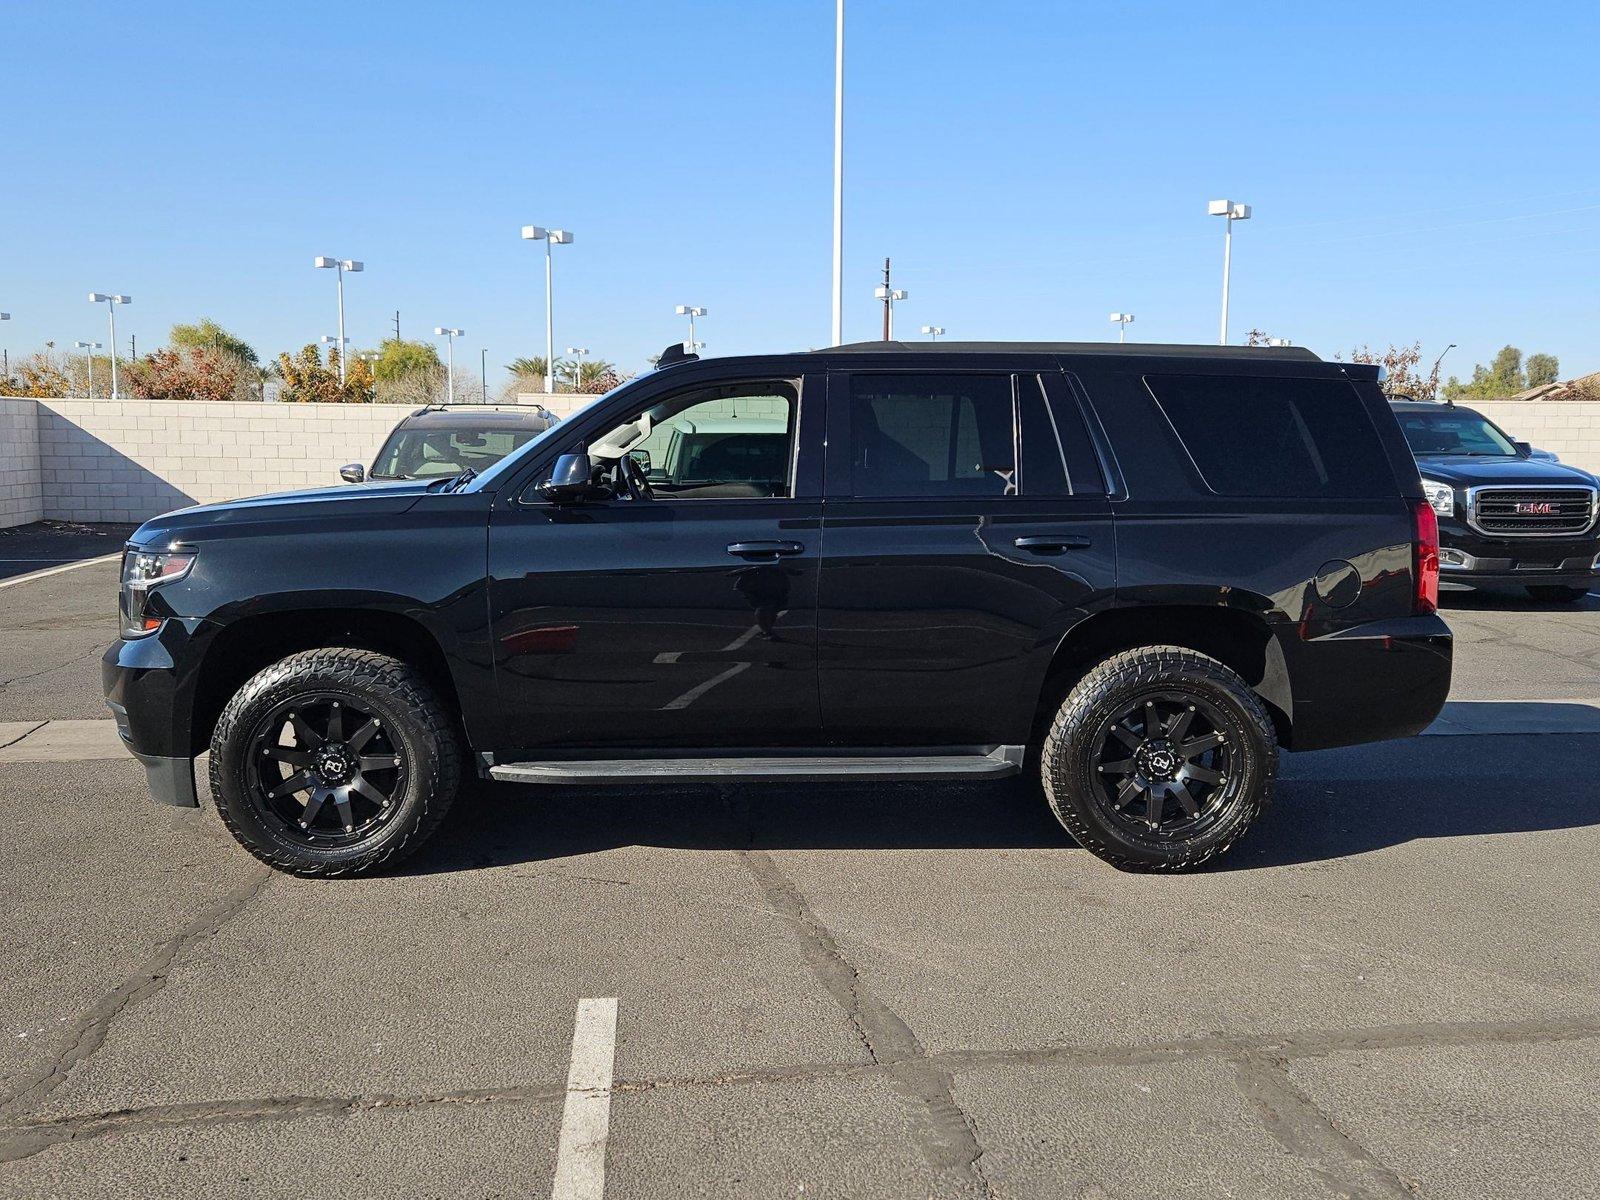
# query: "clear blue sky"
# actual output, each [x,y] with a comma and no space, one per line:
[1418,171]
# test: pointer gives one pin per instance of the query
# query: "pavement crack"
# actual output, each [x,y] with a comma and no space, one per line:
[943,1131]
[1296,1123]
[25,733]
[92,652]
[88,1032]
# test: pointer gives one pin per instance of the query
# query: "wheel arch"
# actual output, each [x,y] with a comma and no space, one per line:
[1239,639]
[247,645]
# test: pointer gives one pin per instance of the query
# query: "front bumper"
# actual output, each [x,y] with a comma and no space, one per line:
[149,688]
[1468,557]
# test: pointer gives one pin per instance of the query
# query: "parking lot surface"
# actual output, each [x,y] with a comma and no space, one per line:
[855,990]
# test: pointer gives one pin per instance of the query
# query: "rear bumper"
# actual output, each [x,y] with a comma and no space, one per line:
[1370,683]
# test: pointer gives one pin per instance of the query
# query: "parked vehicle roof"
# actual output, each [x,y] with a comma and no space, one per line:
[1112,349]
[479,416]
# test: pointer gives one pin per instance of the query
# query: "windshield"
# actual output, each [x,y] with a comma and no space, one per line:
[423,453]
[1454,432]
[487,480]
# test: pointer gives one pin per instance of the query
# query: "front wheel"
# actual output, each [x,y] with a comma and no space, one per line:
[1159,759]
[334,762]
[1552,593]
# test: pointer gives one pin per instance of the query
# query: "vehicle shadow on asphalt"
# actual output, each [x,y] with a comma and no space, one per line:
[1510,600]
[1334,804]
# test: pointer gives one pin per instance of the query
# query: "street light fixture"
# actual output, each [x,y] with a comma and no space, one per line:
[550,237]
[889,295]
[332,342]
[341,265]
[577,353]
[91,347]
[111,300]
[691,311]
[1123,320]
[1279,343]
[483,373]
[933,331]
[1232,212]
[450,371]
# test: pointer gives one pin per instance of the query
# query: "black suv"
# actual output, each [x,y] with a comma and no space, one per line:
[1135,572]
[1505,515]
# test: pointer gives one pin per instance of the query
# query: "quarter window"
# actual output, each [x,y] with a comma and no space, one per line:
[932,435]
[1293,438]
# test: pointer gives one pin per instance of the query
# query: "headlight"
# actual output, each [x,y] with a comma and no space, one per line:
[1441,495]
[141,571]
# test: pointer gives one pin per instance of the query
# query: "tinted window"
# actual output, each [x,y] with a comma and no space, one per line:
[931,435]
[1275,437]
[733,441]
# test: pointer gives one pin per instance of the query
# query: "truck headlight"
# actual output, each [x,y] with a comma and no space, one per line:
[143,570]
[1441,496]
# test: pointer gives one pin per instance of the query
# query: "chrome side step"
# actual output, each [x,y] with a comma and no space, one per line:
[965,763]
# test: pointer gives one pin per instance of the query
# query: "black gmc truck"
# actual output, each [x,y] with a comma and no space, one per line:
[1134,572]
[1506,516]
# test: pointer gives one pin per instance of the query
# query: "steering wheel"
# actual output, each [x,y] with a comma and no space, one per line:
[634,477]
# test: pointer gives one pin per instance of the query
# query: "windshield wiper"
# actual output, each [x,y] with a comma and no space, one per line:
[456,482]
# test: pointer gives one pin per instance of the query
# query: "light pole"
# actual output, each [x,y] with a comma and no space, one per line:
[483,373]
[111,301]
[1435,372]
[1123,320]
[690,311]
[1279,343]
[933,331]
[889,295]
[91,347]
[577,353]
[341,265]
[450,335]
[550,237]
[1232,212]
[838,174]
[5,370]
[335,345]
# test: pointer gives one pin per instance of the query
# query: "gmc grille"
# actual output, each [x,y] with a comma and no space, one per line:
[1531,512]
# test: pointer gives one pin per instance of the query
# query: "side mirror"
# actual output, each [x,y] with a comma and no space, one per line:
[353,473]
[571,480]
[1524,448]
[642,457]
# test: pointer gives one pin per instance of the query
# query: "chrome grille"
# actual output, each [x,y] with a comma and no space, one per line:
[1531,511]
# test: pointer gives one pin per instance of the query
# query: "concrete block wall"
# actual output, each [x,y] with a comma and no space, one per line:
[21,493]
[128,460]
[1569,428]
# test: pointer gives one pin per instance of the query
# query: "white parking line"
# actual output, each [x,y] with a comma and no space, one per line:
[48,571]
[586,1119]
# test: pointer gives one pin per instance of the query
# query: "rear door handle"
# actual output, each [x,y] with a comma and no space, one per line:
[772,550]
[1051,545]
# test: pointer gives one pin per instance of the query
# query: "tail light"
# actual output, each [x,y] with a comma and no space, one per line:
[1427,565]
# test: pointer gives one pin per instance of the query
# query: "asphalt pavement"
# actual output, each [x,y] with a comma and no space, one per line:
[856,990]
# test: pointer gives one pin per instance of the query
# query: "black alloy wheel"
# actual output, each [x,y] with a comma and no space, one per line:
[1164,765]
[325,768]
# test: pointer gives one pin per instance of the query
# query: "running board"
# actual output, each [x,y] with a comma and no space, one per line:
[993,762]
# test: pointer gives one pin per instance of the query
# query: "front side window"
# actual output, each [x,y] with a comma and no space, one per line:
[932,436]
[730,442]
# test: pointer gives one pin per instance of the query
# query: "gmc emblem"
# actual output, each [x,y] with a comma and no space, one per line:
[1542,508]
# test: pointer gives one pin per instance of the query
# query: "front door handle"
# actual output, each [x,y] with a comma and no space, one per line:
[767,550]
[1051,545]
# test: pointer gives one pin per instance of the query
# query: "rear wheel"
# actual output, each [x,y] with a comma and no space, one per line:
[334,762]
[1552,593]
[1159,759]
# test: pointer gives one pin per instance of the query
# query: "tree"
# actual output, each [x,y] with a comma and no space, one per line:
[1501,378]
[528,374]
[207,334]
[582,375]
[38,376]
[1543,369]
[1403,366]
[307,380]
[192,373]
[398,358]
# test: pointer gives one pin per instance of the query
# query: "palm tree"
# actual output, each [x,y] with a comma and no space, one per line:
[532,368]
[588,373]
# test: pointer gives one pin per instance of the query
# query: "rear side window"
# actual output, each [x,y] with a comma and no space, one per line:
[932,435]
[1293,438]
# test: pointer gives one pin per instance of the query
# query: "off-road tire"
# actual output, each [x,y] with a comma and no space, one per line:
[1555,593]
[1067,769]
[416,717]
